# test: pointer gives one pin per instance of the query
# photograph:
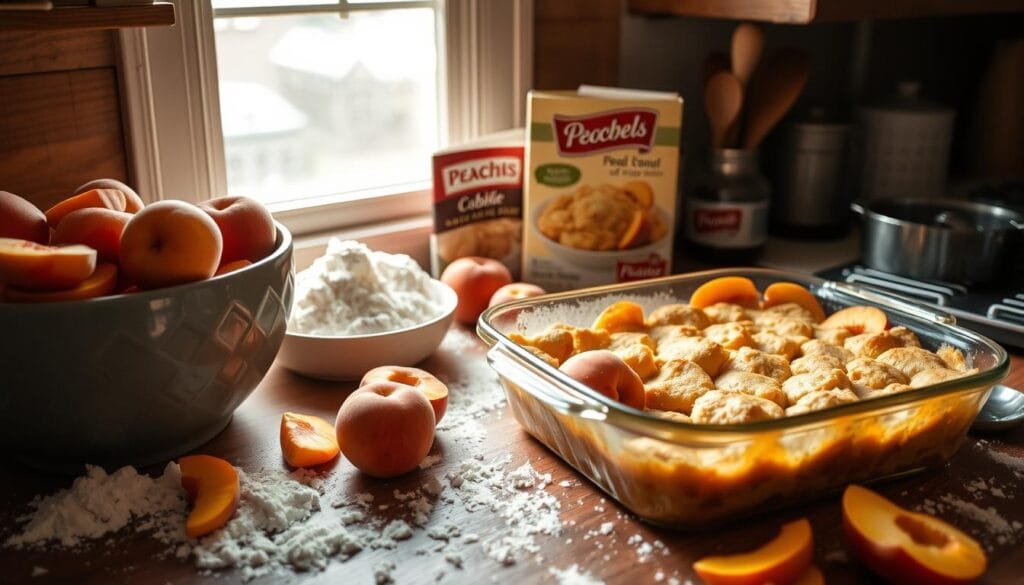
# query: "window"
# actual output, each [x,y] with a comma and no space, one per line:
[315,103]
[327,110]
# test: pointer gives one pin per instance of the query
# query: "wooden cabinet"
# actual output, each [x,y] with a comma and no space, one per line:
[88,17]
[808,11]
[60,112]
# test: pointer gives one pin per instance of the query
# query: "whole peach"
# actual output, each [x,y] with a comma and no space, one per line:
[246,226]
[385,428]
[96,227]
[605,372]
[515,291]
[475,280]
[133,203]
[167,243]
[20,220]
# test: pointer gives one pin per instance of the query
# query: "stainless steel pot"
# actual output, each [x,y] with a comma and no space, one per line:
[940,239]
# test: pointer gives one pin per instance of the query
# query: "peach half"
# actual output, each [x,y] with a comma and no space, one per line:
[608,374]
[857,320]
[907,547]
[212,485]
[784,559]
[780,293]
[31,266]
[621,316]
[433,389]
[737,290]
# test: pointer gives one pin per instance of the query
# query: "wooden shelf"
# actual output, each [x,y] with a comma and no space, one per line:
[88,17]
[808,11]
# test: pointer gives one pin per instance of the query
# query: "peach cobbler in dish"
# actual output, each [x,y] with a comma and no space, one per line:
[603,217]
[730,355]
[740,362]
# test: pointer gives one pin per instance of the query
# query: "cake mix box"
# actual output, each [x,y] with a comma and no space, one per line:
[478,201]
[600,188]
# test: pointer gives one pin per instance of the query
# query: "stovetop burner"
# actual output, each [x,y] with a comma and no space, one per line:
[997,312]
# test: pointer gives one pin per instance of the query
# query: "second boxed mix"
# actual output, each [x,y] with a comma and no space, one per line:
[602,167]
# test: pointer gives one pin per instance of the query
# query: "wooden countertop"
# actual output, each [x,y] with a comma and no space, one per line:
[251,442]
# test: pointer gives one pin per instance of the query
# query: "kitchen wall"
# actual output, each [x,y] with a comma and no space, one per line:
[947,55]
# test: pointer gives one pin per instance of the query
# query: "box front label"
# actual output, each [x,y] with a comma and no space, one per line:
[600,185]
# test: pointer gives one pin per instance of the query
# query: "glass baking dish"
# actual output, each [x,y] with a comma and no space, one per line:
[692,476]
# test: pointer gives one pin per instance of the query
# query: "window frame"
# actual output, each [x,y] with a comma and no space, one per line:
[170,83]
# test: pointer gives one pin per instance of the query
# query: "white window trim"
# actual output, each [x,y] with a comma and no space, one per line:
[169,79]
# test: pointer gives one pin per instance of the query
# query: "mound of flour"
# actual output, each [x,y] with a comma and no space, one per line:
[352,290]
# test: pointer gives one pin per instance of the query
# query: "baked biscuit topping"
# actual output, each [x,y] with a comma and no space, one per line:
[730,364]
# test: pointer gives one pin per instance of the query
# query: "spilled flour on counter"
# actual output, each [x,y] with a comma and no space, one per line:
[282,522]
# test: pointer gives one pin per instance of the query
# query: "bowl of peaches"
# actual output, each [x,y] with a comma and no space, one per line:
[131,332]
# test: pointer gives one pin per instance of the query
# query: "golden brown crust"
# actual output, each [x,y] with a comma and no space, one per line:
[704,352]
[718,407]
[767,355]
[678,384]
[678,314]
[758,362]
[911,360]
[753,384]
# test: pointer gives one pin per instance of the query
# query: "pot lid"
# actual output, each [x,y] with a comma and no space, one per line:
[952,214]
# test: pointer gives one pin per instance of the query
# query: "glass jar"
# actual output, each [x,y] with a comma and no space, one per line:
[726,218]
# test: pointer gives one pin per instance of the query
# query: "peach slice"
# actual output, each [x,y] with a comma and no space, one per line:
[908,547]
[780,293]
[782,560]
[737,290]
[641,192]
[212,486]
[857,320]
[31,266]
[101,283]
[133,203]
[432,389]
[307,440]
[638,233]
[108,198]
[621,316]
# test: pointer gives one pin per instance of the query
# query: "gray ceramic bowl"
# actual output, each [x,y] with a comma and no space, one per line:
[139,378]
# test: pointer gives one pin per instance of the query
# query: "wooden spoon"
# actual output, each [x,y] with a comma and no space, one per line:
[723,99]
[714,63]
[747,44]
[772,92]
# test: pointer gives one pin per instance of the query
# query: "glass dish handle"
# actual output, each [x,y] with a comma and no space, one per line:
[893,303]
[540,384]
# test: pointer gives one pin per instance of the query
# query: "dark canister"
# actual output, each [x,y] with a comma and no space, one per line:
[808,165]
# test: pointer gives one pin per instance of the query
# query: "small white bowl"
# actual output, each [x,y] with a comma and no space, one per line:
[335,357]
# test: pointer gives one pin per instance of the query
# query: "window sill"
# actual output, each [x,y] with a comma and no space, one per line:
[406,236]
